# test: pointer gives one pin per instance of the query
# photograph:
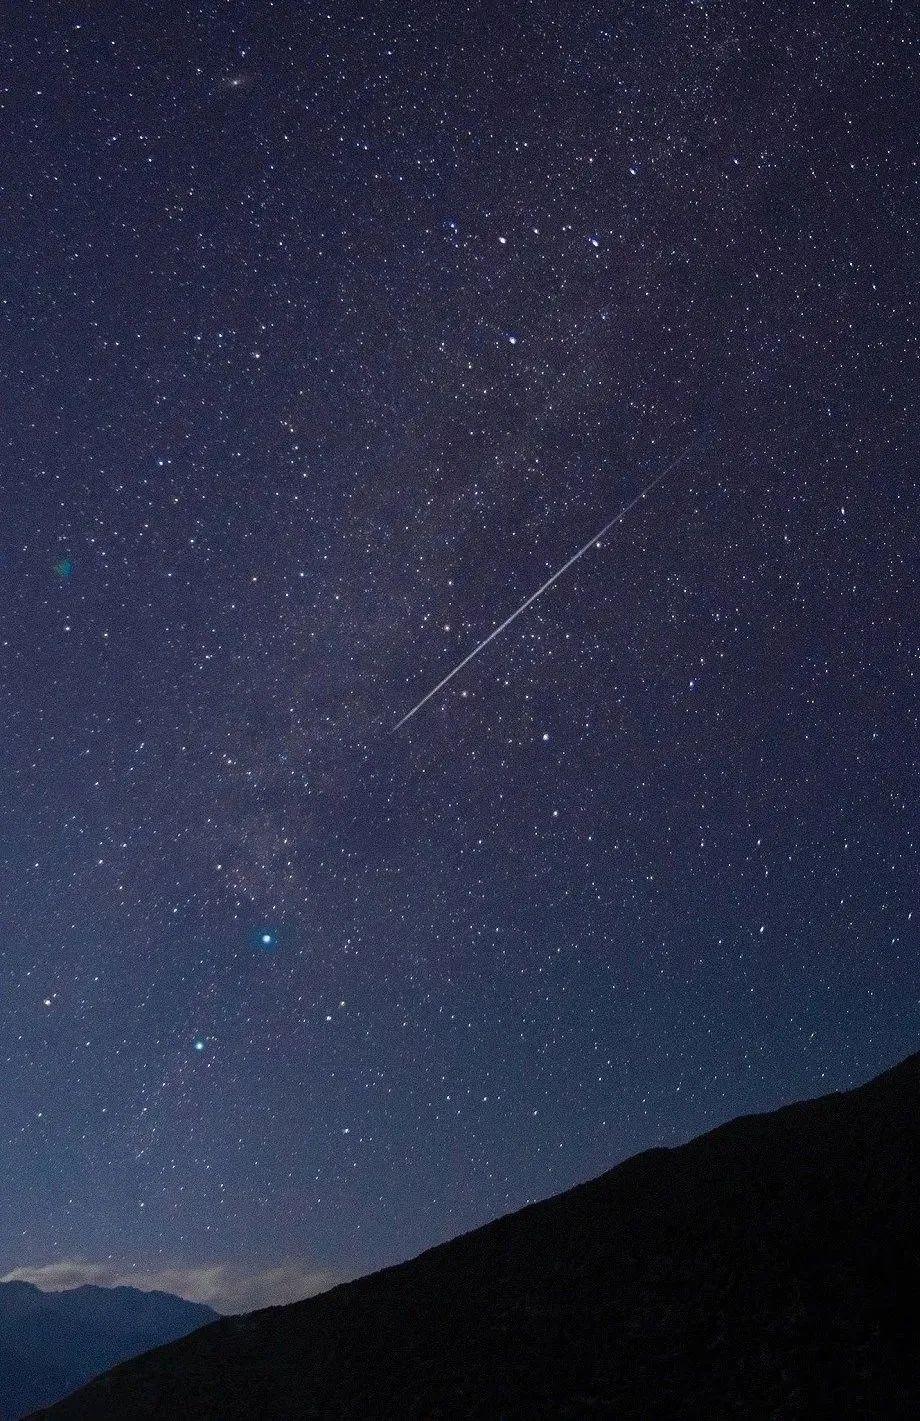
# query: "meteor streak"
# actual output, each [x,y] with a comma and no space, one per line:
[627,508]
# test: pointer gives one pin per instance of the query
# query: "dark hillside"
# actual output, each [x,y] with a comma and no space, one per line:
[768,1269]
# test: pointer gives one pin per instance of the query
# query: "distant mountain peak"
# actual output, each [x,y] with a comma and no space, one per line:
[52,1342]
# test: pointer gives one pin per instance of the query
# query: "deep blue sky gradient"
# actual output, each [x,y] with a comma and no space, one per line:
[326,340]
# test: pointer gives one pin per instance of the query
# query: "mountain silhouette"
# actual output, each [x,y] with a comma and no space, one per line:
[51,1343]
[770,1268]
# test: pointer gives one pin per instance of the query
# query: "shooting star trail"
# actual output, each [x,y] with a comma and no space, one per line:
[627,508]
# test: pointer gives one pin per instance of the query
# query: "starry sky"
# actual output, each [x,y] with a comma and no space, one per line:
[329,337]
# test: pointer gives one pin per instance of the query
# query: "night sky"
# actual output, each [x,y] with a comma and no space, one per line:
[328,338]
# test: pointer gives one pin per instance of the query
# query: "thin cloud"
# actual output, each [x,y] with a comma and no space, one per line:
[223,1286]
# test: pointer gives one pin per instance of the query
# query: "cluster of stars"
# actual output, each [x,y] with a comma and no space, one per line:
[333,335]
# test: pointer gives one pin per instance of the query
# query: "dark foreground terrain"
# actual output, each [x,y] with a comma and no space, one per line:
[768,1269]
[51,1343]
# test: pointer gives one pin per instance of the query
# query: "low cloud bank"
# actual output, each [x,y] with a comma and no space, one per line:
[222,1286]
